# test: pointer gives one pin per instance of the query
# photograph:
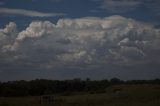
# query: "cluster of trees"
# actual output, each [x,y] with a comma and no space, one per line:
[45,87]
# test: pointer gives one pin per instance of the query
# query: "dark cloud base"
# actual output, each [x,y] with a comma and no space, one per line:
[125,73]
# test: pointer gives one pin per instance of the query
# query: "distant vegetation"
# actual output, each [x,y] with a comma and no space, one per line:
[66,87]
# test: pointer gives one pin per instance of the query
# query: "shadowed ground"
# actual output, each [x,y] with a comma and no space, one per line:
[122,95]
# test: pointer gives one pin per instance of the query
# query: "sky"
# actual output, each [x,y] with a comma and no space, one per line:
[66,39]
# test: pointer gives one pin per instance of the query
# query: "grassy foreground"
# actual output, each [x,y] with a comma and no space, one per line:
[122,95]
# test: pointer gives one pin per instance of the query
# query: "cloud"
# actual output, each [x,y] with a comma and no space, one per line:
[124,6]
[83,42]
[153,5]
[2,3]
[29,13]
[8,34]
[94,11]
[56,0]
[120,6]
[48,0]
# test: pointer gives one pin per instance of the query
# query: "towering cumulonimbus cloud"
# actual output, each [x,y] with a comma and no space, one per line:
[87,41]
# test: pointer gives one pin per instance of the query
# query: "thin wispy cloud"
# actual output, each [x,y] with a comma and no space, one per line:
[94,11]
[119,6]
[29,13]
[124,6]
[2,3]
[153,5]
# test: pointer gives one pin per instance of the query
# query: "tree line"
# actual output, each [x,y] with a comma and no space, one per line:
[48,87]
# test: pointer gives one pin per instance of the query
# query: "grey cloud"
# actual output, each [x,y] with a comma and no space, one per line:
[120,6]
[2,3]
[30,13]
[56,0]
[89,42]
[123,6]
[153,5]
[8,34]
[64,41]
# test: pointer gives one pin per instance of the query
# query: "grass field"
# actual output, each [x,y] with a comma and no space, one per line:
[122,95]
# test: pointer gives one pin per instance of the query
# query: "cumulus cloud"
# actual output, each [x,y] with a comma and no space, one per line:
[8,34]
[30,13]
[90,41]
